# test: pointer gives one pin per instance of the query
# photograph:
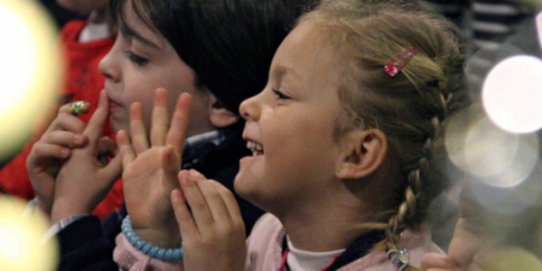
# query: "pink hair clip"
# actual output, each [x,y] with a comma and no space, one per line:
[396,64]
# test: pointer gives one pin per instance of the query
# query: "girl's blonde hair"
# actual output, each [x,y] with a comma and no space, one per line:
[409,108]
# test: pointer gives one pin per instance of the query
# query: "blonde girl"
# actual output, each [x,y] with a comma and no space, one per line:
[343,144]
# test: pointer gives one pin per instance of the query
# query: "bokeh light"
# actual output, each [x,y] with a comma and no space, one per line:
[509,258]
[30,71]
[512,94]
[489,154]
[22,242]
[504,201]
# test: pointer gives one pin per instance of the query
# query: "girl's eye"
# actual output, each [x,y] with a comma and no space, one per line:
[138,60]
[280,95]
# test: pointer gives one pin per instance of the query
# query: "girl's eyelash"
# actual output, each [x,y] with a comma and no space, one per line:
[280,95]
[137,59]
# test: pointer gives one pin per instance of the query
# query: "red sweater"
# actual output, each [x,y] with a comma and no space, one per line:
[83,82]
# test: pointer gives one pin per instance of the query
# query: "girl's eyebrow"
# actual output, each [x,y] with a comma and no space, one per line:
[130,33]
[281,69]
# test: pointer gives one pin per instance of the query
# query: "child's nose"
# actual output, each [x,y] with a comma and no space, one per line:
[108,66]
[249,108]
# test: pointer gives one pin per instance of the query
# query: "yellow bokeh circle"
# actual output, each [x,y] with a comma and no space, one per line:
[31,71]
[23,243]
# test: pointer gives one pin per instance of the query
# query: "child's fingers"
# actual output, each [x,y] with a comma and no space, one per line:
[126,152]
[137,129]
[170,161]
[42,150]
[213,198]
[170,165]
[97,121]
[67,122]
[159,123]
[64,139]
[200,210]
[179,122]
[431,261]
[185,221]
[230,202]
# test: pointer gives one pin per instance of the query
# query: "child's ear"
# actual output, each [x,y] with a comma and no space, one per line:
[363,153]
[219,116]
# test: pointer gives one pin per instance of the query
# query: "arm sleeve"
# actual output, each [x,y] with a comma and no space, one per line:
[84,247]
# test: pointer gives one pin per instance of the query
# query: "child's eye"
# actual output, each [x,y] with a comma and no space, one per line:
[280,95]
[137,59]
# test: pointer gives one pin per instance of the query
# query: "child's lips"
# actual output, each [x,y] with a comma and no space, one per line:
[114,105]
[249,159]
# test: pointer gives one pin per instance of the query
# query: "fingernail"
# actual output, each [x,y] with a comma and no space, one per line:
[78,139]
[65,152]
[194,172]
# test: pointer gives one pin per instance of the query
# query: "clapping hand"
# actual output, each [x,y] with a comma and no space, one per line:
[212,229]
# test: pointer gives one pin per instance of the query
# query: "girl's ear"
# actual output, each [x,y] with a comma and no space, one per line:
[363,153]
[219,116]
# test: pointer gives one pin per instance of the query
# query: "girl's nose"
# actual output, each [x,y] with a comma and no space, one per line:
[249,108]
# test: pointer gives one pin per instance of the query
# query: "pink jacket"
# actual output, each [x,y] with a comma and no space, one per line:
[265,251]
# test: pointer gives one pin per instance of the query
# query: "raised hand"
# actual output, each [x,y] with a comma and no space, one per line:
[85,178]
[466,250]
[213,230]
[150,171]
[50,151]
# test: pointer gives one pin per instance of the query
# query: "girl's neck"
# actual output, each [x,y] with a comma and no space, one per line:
[331,227]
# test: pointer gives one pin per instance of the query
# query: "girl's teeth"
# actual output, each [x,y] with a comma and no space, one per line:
[255,147]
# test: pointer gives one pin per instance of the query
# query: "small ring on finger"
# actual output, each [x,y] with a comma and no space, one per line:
[78,107]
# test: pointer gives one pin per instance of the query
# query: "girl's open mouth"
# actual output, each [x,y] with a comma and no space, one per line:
[256,148]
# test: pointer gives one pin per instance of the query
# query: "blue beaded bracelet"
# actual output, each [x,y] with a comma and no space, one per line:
[166,254]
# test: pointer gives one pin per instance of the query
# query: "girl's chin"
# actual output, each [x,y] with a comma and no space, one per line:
[245,180]
[243,186]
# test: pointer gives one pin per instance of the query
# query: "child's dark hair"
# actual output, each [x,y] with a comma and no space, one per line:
[228,43]
[409,108]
